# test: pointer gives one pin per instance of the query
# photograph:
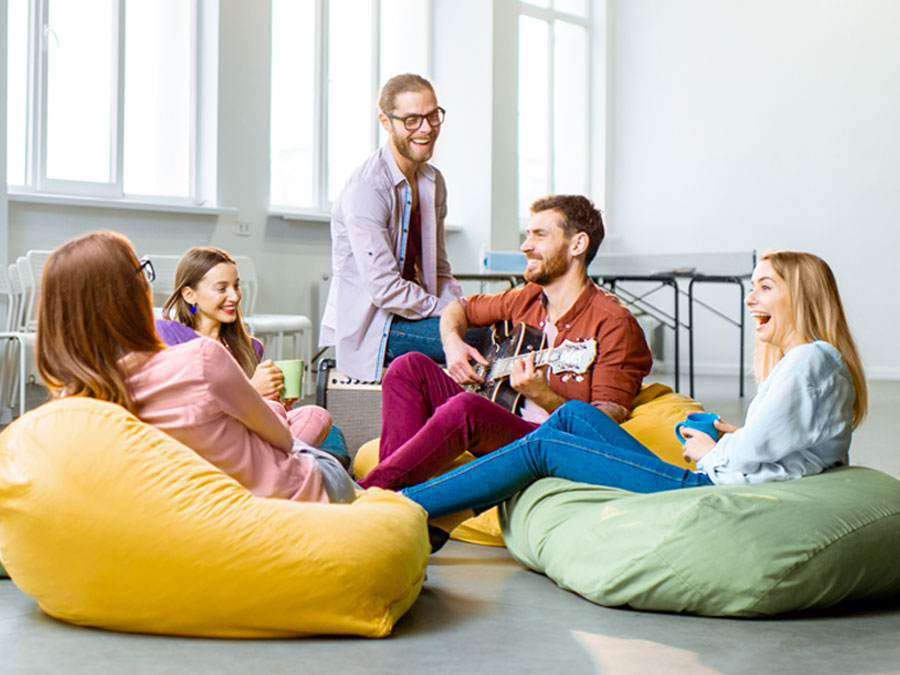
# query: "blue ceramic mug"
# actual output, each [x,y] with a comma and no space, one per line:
[701,421]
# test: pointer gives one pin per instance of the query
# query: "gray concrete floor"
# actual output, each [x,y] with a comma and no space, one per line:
[480,612]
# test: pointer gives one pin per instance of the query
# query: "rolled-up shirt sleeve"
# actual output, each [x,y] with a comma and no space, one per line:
[623,359]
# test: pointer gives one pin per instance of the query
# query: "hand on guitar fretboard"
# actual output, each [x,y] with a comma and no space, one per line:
[520,344]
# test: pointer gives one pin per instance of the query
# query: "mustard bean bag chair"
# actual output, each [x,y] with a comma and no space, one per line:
[655,412]
[109,522]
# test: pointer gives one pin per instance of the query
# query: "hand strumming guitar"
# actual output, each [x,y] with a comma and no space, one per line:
[532,383]
[459,356]
[457,353]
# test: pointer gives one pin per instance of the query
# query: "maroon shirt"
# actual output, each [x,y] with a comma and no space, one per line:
[623,358]
[412,261]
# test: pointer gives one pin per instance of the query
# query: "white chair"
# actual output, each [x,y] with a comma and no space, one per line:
[32,269]
[16,344]
[22,284]
[273,329]
[164,284]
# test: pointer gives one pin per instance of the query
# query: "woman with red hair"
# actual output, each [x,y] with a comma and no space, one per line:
[96,338]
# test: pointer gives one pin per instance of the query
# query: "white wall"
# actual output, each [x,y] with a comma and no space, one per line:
[765,124]
[464,87]
[474,69]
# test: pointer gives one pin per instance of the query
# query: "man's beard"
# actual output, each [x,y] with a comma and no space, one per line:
[552,267]
[406,148]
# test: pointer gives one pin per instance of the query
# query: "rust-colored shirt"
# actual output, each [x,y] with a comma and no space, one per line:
[623,358]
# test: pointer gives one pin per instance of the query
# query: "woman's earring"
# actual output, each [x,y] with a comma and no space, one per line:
[193,309]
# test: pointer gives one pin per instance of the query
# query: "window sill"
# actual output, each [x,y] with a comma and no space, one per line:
[303,216]
[123,204]
[322,217]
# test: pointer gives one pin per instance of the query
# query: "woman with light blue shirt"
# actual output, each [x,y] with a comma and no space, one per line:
[812,394]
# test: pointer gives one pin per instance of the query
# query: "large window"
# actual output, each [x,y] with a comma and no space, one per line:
[554,101]
[102,97]
[329,60]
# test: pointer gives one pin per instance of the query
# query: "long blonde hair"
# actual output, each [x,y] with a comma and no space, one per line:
[95,308]
[818,315]
[192,267]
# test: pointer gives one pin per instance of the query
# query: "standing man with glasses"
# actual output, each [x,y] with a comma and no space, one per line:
[390,274]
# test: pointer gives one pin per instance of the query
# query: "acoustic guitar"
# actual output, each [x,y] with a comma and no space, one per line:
[506,346]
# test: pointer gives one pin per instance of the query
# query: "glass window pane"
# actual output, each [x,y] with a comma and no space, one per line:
[293,103]
[570,109]
[159,63]
[534,178]
[537,3]
[403,42]
[351,101]
[576,7]
[404,38]
[81,47]
[17,92]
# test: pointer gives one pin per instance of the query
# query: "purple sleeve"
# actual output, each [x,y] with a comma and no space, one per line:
[174,332]
[257,347]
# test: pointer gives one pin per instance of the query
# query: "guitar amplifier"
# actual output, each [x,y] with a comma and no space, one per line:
[355,406]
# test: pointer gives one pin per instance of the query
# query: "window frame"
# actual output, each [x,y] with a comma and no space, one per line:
[548,15]
[38,184]
[321,210]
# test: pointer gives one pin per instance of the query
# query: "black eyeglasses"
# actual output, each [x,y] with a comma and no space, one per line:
[147,268]
[413,122]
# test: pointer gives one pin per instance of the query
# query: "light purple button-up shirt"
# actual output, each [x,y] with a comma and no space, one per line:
[369,227]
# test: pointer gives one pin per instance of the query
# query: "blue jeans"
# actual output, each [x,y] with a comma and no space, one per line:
[415,335]
[578,442]
[424,335]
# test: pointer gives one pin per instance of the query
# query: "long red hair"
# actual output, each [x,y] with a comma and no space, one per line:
[95,307]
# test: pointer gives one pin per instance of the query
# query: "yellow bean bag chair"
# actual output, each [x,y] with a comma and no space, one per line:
[109,522]
[655,412]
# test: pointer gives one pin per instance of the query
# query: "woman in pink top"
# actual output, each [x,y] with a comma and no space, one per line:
[96,338]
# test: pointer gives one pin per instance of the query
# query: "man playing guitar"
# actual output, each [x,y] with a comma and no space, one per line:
[428,419]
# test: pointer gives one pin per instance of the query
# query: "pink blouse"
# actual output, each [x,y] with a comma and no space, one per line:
[197,393]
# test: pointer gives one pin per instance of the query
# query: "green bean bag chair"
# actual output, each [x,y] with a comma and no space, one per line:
[748,550]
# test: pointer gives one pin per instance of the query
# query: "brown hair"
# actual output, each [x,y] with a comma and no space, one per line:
[579,215]
[399,84]
[818,315]
[192,267]
[95,308]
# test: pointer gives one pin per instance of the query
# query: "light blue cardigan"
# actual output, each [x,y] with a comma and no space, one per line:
[798,424]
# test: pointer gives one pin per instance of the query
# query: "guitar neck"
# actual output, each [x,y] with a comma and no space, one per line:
[500,367]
